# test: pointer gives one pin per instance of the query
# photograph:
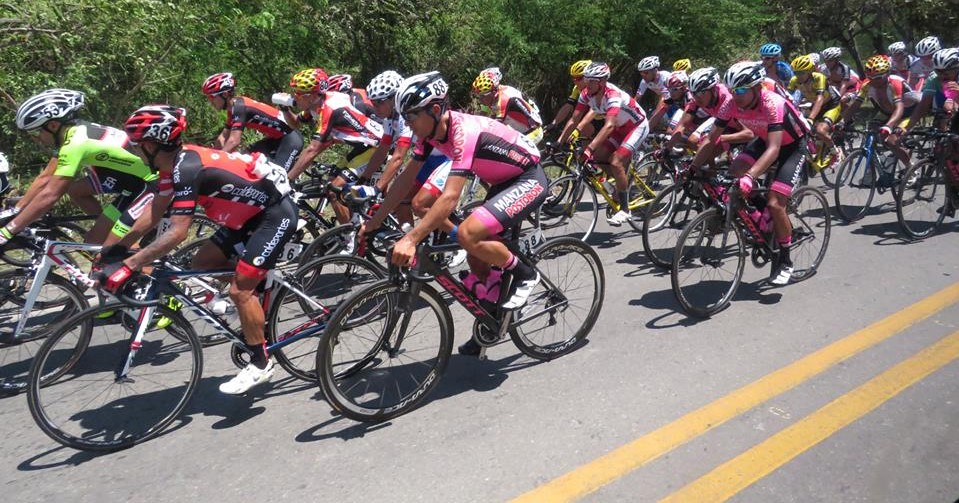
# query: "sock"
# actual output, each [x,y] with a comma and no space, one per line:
[259,358]
[624,201]
[520,270]
[784,250]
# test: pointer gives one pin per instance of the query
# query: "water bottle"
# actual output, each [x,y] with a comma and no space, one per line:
[218,305]
[765,221]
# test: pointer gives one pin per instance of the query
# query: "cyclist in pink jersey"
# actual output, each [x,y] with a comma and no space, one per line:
[497,154]
[709,96]
[779,130]
[621,136]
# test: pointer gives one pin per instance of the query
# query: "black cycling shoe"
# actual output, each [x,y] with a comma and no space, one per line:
[469,348]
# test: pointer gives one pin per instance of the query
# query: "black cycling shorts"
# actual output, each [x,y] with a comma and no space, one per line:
[260,242]
[788,165]
[508,203]
[282,151]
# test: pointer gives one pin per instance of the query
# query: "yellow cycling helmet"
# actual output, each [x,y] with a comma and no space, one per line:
[877,65]
[310,80]
[483,83]
[803,64]
[577,68]
[682,65]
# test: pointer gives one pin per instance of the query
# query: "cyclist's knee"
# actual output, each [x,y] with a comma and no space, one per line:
[471,232]
[422,203]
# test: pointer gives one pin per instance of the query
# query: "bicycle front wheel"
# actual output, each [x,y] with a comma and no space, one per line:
[326,282]
[669,213]
[571,209]
[58,299]
[855,185]
[809,213]
[77,397]
[563,308]
[373,368]
[921,206]
[708,264]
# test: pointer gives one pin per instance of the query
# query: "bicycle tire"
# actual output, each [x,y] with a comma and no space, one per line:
[19,254]
[327,280]
[75,380]
[580,303]
[642,194]
[555,170]
[693,261]
[47,313]
[808,211]
[360,384]
[923,196]
[662,227]
[570,209]
[855,185]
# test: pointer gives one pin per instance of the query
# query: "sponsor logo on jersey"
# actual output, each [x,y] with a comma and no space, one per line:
[519,198]
[246,192]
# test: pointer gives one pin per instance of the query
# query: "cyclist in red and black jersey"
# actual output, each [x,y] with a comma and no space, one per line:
[246,194]
[343,83]
[280,142]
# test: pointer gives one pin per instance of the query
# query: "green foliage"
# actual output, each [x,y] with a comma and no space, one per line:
[125,53]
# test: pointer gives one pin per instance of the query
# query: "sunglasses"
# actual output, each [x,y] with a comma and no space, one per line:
[677,89]
[700,93]
[380,101]
[411,115]
[769,58]
[739,91]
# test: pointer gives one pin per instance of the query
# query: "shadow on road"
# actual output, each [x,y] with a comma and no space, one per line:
[758,291]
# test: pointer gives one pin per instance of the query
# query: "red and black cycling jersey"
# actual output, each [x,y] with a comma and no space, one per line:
[224,184]
[248,113]
[337,120]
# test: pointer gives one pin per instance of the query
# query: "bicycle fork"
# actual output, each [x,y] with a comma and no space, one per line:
[136,341]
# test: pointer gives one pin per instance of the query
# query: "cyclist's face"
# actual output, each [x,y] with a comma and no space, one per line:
[803,77]
[593,86]
[383,107]
[705,98]
[420,122]
[42,135]
[949,75]
[648,75]
[745,99]
[305,100]
[487,98]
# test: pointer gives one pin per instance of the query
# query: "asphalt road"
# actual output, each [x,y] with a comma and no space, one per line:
[821,391]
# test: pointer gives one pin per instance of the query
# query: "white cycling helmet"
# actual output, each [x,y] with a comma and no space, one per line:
[831,53]
[52,104]
[494,74]
[927,46]
[744,74]
[815,58]
[897,48]
[648,63]
[384,85]
[597,70]
[421,90]
[703,79]
[946,59]
[677,79]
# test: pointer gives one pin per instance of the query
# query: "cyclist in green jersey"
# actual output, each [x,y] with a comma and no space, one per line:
[89,160]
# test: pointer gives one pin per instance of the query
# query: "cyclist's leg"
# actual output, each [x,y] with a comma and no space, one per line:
[128,210]
[288,149]
[781,185]
[893,142]
[83,194]
[432,187]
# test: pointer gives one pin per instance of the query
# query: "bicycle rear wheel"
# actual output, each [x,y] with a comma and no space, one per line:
[564,306]
[708,264]
[58,300]
[77,399]
[642,194]
[921,206]
[664,222]
[570,209]
[373,368]
[327,281]
[809,213]
[855,185]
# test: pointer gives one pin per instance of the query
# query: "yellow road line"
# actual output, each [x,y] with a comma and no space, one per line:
[742,471]
[609,467]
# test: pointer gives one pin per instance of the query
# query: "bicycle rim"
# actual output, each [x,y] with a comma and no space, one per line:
[855,186]
[661,229]
[562,309]
[58,300]
[707,265]
[76,398]
[571,209]
[811,224]
[327,281]
[386,365]
[921,207]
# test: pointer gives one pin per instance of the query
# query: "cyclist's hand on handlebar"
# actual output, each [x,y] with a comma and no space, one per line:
[403,252]
[746,183]
[112,277]
[587,155]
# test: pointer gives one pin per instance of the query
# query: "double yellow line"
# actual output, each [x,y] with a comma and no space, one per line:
[752,465]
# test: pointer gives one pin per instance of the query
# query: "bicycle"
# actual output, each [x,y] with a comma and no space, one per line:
[823,162]
[572,206]
[388,365]
[929,190]
[866,170]
[108,384]
[710,256]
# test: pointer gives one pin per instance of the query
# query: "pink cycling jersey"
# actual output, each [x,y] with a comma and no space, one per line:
[771,113]
[493,151]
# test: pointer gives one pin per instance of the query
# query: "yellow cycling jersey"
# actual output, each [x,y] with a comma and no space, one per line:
[813,88]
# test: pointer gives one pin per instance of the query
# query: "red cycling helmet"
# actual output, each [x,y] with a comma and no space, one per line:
[219,83]
[162,124]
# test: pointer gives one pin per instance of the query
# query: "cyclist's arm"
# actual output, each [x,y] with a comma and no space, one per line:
[571,124]
[817,105]
[315,148]
[38,184]
[564,113]
[398,191]
[399,154]
[710,148]
[231,139]
[600,137]
[143,224]
[55,188]
[741,136]
[850,112]
[680,132]
[921,110]
[897,114]
[773,141]
[405,248]
[164,243]
[657,115]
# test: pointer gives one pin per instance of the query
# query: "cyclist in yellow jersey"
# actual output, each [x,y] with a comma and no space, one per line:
[591,121]
[810,85]
[508,105]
